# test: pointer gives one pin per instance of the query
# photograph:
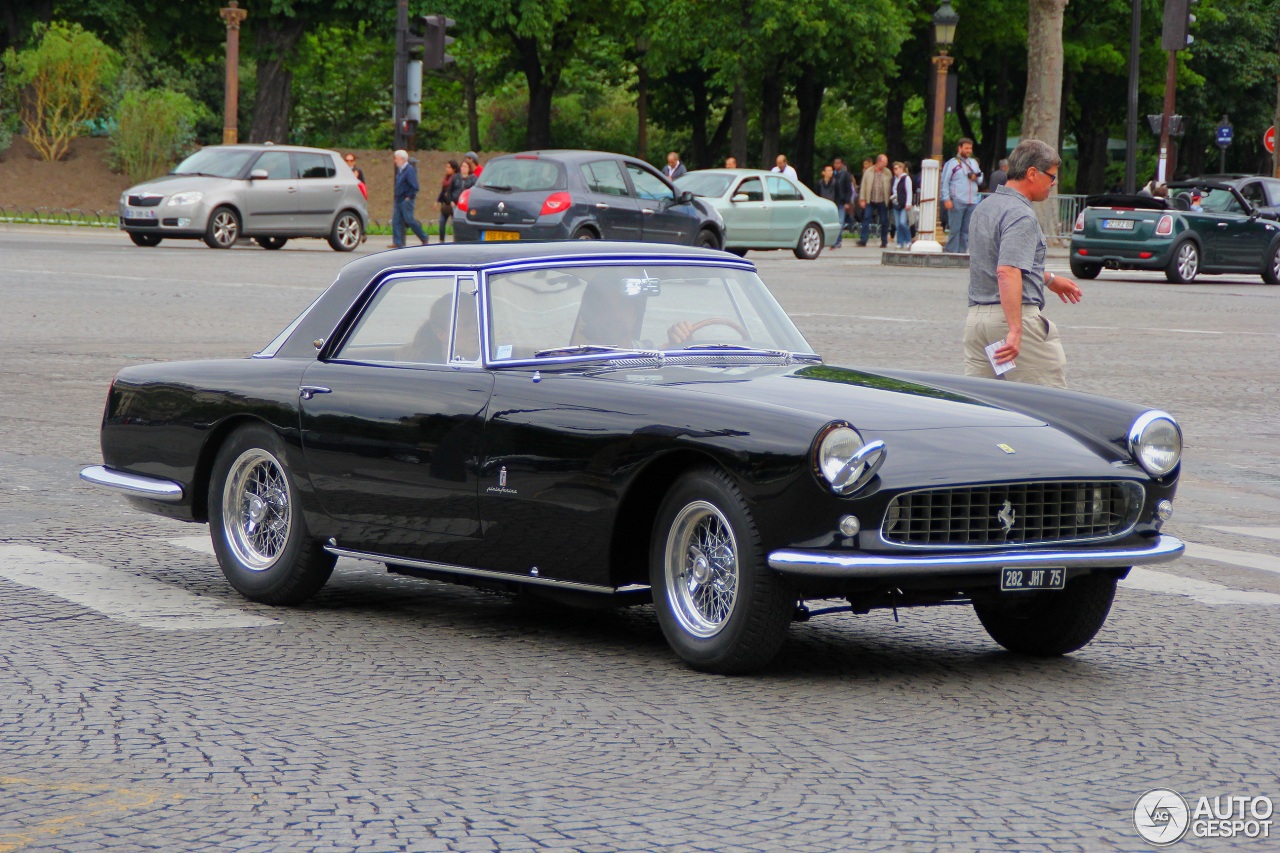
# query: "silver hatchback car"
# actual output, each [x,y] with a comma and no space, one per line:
[268,192]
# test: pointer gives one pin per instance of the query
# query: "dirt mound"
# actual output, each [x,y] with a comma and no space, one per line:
[84,181]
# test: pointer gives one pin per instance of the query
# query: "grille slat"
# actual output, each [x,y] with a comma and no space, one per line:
[1013,514]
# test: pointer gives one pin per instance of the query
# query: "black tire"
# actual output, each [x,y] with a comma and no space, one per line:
[1184,263]
[223,228]
[742,253]
[585,233]
[1050,624]
[809,246]
[347,232]
[707,239]
[1081,269]
[1271,272]
[144,240]
[732,613]
[271,243]
[271,558]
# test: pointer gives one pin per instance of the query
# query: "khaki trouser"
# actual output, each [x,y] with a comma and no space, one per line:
[1040,361]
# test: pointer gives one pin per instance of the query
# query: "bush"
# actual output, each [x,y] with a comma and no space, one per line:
[63,81]
[153,130]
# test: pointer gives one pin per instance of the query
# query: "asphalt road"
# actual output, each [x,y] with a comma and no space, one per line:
[145,706]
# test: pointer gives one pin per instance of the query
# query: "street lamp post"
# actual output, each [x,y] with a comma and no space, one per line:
[944,33]
[233,15]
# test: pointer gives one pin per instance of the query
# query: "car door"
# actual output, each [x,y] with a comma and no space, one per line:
[615,209]
[391,423]
[319,191]
[664,220]
[788,210]
[270,205]
[748,221]
[1241,239]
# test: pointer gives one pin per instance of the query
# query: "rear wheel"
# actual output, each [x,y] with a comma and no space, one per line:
[1082,269]
[271,242]
[223,229]
[742,253]
[1050,624]
[707,239]
[809,246]
[585,234]
[347,232]
[147,240]
[1271,272]
[256,524]
[719,605]
[1184,266]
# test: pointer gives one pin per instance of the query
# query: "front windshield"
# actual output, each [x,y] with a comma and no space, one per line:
[216,161]
[570,310]
[1211,200]
[704,184]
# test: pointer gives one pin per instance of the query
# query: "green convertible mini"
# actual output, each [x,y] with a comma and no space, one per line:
[1202,227]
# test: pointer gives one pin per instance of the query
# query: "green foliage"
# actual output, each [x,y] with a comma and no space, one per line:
[65,78]
[342,92]
[154,129]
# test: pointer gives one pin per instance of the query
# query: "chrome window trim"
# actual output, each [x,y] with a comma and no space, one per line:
[366,299]
[272,348]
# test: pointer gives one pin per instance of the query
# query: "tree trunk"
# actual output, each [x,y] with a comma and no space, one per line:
[473,115]
[770,119]
[1042,108]
[642,103]
[895,140]
[697,152]
[809,91]
[717,140]
[738,134]
[543,81]
[275,41]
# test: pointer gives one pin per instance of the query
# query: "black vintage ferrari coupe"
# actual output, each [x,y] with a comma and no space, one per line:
[622,423]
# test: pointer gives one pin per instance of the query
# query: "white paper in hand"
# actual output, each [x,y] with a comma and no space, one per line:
[1000,369]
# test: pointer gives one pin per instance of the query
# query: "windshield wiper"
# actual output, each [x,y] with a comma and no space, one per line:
[579,349]
[496,188]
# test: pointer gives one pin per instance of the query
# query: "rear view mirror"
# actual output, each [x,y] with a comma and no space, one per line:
[258,175]
[684,197]
[741,197]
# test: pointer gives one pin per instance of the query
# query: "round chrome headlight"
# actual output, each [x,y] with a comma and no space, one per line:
[1156,442]
[845,461]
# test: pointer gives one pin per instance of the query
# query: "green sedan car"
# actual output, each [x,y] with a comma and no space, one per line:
[766,210]
[1203,227]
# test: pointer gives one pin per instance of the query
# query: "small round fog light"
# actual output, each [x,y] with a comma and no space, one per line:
[1164,510]
[849,525]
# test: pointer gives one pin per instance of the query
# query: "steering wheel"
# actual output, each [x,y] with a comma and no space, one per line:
[717,321]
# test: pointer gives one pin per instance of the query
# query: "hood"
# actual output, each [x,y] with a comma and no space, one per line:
[167,185]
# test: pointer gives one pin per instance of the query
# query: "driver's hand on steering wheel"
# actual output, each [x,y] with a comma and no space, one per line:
[679,333]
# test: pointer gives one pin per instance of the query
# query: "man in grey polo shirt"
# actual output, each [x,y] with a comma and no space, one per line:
[1007,278]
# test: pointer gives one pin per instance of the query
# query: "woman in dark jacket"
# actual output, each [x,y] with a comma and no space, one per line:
[447,196]
[464,181]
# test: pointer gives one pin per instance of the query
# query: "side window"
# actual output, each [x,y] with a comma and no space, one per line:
[277,165]
[466,325]
[649,185]
[315,165]
[753,188]
[783,190]
[604,177]
[1273,193]
[408,319]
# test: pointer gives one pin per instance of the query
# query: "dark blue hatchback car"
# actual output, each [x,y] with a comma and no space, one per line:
[582,195]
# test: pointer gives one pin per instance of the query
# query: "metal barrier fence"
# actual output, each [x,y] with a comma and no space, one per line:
[1069,207]
[98,218]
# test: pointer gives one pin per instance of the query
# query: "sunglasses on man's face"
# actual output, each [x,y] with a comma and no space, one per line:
[1052,176]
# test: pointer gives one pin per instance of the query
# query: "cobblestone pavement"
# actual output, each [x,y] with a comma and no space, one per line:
[392,714]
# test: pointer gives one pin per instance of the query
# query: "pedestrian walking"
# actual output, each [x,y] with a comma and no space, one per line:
[466,180]
[961,182]
[999,176]
[826,187]
[350,160]
[903,200]
[406,192]
[783,169]
[474,160]
[674,167]
[1007,278]
[844,198]
[877,186]
[448,195]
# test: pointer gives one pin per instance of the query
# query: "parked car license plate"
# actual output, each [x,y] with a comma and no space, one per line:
[1012,580]
[139,213]
[500,235]
[1117,224]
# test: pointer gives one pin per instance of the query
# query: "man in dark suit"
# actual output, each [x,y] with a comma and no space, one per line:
[843,199]
[406,192]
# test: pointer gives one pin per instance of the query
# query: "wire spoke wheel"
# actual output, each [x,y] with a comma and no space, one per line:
[256,512]
[702,569]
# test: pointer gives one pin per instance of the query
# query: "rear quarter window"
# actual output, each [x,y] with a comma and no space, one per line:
[521,175]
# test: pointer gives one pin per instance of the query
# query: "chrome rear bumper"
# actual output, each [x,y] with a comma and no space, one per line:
[855,565]
[133,485]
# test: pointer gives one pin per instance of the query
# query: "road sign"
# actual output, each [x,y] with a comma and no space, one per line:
[1225,135]
[1269,139]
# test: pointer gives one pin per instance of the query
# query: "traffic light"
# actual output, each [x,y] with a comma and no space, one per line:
[1177,24]
[435,40]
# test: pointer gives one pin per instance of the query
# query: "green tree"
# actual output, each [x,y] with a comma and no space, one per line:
[154,128]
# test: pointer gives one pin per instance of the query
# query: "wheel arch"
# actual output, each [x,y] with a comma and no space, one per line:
[208,453]
[350,208]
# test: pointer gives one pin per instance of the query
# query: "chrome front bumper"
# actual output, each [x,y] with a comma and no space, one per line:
[861,566]
[133,485]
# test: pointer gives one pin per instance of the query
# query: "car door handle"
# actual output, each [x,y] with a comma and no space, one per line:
[293,189]
[306,392]
[1222,225]
[601,206]
[646,211]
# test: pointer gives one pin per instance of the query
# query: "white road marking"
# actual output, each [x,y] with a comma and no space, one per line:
[120,595]
[1244,559]
[1261,532]
[195,543]
[1204,592]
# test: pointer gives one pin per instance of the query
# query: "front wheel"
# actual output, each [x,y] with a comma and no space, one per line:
[1184,266]
[145,240]
[809,246]
[1081,269]
[347,232]
[1271,272]
[271,243]
[719,605]
[223,229]
[258,532]
[707,239]
[1049,624]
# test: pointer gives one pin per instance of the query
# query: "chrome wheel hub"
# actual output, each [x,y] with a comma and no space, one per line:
[1188,261]
[701,569]
[256,511]
[348,231]
[812,240]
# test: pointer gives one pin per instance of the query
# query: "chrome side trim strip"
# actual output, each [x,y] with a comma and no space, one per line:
[832,564]
[134,485]
[482,573]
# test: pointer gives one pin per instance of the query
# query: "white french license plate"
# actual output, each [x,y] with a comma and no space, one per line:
[1117,224]
[140,213]
[1014,580]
